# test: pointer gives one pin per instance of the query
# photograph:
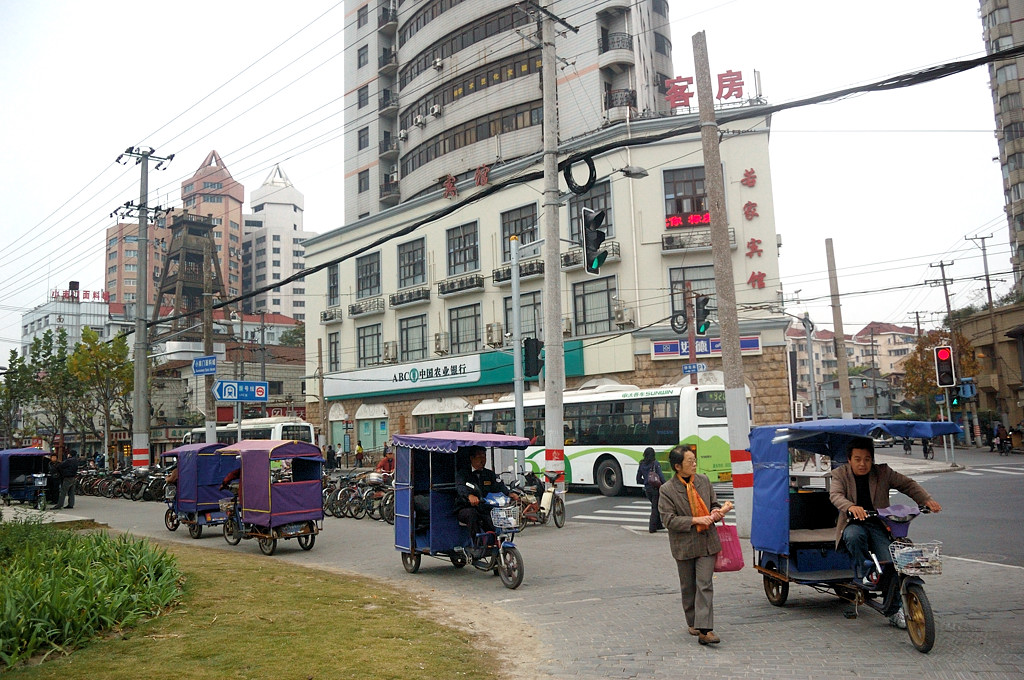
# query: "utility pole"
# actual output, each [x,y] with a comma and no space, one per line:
[324,422]
[210,404]
[952,341]
[140,390]
[725,287]
[842,368]
[874,378]
[917,317]
[691,330]
[809,333]
[263,356]
[993,355]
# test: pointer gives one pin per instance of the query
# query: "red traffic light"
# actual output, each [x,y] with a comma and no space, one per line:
[943,353]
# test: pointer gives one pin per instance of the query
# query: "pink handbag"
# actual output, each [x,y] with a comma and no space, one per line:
[731,556]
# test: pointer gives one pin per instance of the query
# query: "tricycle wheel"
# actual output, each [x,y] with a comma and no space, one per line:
[411,562]
[41,502]
[306,541]
[510,567]
[776,590]
[268,545]
[7,500]
[171,520]
[231,533]
[458,560]
[195,530]
[920,622]
[558,511]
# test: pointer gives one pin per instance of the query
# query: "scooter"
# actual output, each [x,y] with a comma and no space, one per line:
[549,505]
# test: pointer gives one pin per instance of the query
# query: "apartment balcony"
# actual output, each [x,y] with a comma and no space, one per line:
[387,63]
[988,382]
[615,52]
[460,284]
[389,192]
[573,258]
[388,149]
[387,103]
[331,316]
[366,307]
[409,297]
[619,104]
[387,21]
[698,238]
[531,269]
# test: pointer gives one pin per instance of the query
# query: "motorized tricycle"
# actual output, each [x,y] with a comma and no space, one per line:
[23,476]
[539,499]
[425,505]
[793,528]
[279,494]
[194,500]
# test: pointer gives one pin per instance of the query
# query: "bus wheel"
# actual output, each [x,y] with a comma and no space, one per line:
[609,477]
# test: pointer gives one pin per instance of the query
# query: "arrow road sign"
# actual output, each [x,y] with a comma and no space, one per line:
[240,390]
[694,368]
[204,365]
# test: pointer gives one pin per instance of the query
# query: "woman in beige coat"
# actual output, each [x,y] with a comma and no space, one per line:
[689,509]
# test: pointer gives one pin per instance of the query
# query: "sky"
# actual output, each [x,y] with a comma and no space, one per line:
[897,180]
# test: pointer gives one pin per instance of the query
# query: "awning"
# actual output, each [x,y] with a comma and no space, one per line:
[371,412]
[442,405]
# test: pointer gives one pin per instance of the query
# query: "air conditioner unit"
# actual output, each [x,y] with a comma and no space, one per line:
[390,352]
[435,110]
[441,343]
[623,317]
[566,325]
[393,170]
[438,64]
[419,120]
[495,335]
[403,135]
[393,177]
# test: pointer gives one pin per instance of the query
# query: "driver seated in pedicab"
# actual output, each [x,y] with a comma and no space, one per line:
[860,487]
[471,487]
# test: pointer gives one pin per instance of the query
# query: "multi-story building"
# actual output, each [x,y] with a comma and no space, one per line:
[881,345]
[122,260]
[272,249]
[1003,27]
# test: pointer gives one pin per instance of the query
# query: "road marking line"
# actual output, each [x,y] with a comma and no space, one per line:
[991,564]
[1001,472]
[625,512]
[589,599]
[965,472]
[608,519]
[583,500]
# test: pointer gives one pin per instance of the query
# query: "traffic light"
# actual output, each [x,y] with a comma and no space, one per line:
[956,399]
[593,237]
[531,357]
[701,303]
[945,375]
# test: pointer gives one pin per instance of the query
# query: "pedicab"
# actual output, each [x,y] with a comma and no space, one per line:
[279,494]
[23,476]
[793,526]
[195,499]
[425,514]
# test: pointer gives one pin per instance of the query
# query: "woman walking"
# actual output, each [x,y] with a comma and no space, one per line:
[649,474]
[689,508]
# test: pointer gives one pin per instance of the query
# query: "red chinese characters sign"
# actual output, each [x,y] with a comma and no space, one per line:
[678,93]
[79,295]
[692,220]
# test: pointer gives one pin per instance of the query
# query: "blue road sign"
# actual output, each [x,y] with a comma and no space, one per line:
[694,368]
[204,366]
[240,390]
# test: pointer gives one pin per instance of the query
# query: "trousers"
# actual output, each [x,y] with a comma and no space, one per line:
[863,538]
[698,591]
[67,488]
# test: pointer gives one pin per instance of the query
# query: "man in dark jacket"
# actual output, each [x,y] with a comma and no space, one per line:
[68,471]
[471,487]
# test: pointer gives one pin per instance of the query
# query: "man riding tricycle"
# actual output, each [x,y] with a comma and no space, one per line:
[837,531]
[450,505]
[192,492]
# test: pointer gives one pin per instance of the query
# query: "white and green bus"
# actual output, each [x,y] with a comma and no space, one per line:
[273,427]
[606,429]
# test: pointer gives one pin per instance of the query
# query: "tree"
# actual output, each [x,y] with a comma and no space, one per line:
[295,337]
[57,391]
[15,395]
[920,365]
[106,373]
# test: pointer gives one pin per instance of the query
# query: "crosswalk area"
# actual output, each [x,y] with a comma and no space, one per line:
[993,470]
[634,513]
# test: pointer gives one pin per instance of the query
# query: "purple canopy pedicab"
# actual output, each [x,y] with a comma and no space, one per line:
[195,499]
[23,476]
[279,494]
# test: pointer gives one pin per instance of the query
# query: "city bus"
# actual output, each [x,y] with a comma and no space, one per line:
[277,427]
[607,428]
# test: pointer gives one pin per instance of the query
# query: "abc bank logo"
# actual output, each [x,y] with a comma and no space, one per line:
[412,376]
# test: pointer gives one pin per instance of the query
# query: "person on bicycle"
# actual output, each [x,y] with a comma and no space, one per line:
[860,487]
[906,445]
[471,487]
[387,463]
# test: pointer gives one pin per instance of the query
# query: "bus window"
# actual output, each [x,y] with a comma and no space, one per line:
[711,404]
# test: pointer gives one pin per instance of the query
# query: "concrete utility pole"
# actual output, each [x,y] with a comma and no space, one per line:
[324,422]
[691,330]
[809,334]
[725,287]
[263,356]
[993,355]
[210,403]
[140,390]
[842,369]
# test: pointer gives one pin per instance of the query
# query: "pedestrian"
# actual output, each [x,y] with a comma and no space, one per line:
[649,474]
[68,469]
[689,509]
[332,458]
[359,453]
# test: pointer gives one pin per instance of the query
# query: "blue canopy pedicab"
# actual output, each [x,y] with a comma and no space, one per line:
[425,512]
[195,499]
[793,526]
[279,494]
[23,476]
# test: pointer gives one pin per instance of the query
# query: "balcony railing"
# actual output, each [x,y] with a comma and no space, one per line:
[408,297]
[691,239]
[387,102]
[461,284]
[528,269]
[387,62]
[617,98]
[364,307]
[573,257]
[387,19]
[332,315]
[388,147]
[389,191]
[615,41]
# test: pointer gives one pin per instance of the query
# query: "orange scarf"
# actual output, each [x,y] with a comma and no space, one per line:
[697,506]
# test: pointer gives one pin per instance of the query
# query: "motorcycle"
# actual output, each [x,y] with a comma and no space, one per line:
[541,503]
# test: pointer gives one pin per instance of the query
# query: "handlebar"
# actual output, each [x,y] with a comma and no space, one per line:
[922,510]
